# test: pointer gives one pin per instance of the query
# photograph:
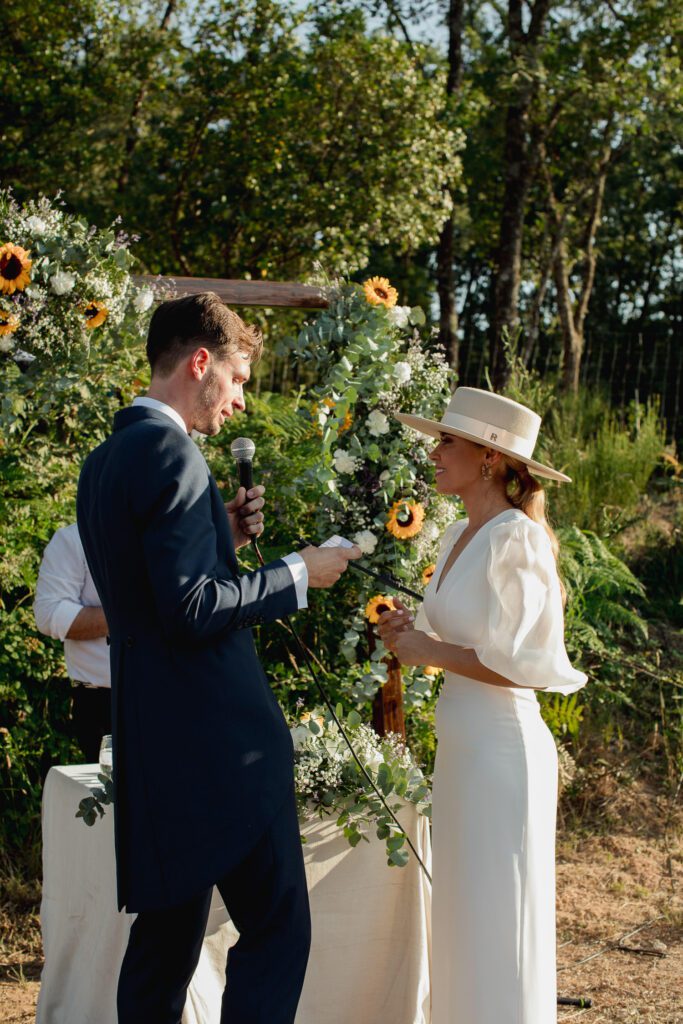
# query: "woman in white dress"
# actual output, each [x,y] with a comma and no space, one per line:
[493,620]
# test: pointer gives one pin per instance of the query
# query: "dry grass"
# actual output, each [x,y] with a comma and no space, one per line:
[619,877]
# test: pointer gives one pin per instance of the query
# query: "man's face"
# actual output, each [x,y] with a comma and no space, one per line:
[221,393]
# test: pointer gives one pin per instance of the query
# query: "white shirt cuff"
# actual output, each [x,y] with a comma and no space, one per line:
[297,567]
[63,617]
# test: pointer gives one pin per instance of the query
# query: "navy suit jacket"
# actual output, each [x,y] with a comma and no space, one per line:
[202,753]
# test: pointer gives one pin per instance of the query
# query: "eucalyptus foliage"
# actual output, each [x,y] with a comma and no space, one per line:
[370,362]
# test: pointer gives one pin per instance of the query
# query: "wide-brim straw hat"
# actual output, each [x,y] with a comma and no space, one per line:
[492,421]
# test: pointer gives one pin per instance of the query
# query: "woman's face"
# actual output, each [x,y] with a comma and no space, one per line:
[458,464]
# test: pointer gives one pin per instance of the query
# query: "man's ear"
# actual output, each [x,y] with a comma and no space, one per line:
[199,363]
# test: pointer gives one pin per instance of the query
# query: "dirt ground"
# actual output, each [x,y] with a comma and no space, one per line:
[619,918]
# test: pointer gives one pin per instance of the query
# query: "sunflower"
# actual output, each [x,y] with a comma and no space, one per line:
[8,322]
[379,292]
[427,573]
[376,606]
[405,519]
[14,268]
[95,314]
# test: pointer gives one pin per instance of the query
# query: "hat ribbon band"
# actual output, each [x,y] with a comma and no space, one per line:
[490,432]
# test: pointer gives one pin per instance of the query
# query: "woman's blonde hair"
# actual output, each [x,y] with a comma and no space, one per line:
[528,495]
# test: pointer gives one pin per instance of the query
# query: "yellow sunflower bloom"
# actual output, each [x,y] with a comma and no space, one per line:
[95,314]
[376,606]
[427,573]
[14,268]
[8,322]
[379,292]
[405,519]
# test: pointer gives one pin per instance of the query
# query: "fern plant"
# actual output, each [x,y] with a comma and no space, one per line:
[599,589]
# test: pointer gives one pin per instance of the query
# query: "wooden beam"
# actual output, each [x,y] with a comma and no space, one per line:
[245,293]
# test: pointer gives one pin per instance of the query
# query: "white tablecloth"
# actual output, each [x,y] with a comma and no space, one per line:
[370,956]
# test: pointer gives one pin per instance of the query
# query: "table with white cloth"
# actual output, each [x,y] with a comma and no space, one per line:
[370,956]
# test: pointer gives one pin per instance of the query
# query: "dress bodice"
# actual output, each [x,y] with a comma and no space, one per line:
[502,598]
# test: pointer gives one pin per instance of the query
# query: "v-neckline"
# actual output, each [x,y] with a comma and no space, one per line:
[442,578]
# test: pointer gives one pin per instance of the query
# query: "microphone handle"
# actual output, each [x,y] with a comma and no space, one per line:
[245,469]
[245,474]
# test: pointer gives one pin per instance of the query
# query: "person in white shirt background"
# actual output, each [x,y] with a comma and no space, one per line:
[67,608]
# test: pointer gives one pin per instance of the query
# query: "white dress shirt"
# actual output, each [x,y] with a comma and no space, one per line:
[293,561]
[64,587]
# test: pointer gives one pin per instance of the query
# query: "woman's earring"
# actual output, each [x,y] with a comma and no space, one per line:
[486,471]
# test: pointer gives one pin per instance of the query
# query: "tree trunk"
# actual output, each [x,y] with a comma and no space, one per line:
[573,317]
[445,271]
[519,161]
[445,284]
[132,130]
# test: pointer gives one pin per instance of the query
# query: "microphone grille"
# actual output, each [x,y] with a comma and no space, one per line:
[242,449]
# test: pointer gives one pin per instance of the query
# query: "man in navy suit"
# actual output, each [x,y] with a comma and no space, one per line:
[203,762]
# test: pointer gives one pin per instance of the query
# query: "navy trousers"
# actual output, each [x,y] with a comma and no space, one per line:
[267,899]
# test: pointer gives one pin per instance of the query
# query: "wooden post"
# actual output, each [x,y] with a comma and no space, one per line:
[387,707]
[246,293]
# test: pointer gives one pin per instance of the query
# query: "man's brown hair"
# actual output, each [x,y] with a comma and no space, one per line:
[180,326]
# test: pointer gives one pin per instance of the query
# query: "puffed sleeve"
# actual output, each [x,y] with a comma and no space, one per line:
[524,635]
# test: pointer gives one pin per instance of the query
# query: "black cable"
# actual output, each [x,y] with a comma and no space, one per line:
[328,703]
[388,581]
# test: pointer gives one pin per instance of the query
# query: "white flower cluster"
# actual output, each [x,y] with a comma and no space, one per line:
[377,423]
[321,755]
[79,287]
[345,463]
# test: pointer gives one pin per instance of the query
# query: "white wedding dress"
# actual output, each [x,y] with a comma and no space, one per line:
[495,783]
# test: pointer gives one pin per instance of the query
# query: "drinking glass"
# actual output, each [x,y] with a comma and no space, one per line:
[106,756]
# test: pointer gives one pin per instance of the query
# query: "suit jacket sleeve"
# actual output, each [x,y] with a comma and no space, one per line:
[193,600]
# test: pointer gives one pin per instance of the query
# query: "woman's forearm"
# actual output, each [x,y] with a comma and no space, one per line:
[464,662]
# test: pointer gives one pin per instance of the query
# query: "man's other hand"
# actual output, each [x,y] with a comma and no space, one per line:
[325,565]
[245,515]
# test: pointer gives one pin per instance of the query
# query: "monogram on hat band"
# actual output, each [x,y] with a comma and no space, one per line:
[523,446]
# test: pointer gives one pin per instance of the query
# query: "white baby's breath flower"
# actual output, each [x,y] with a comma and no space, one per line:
[6,344]
[62,282]
[366,541]
[399,316]
[36,225]
[343,462]
[430,531]
[377,423]
[143,300]
[402,372]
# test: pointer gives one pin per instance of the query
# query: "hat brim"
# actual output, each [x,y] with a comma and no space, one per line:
[434,428]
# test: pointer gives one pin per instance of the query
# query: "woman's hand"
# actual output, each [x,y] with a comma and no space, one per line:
[411,646]
[390,624]
[245,515]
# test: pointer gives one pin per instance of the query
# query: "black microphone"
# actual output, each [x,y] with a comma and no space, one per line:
[242,450]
